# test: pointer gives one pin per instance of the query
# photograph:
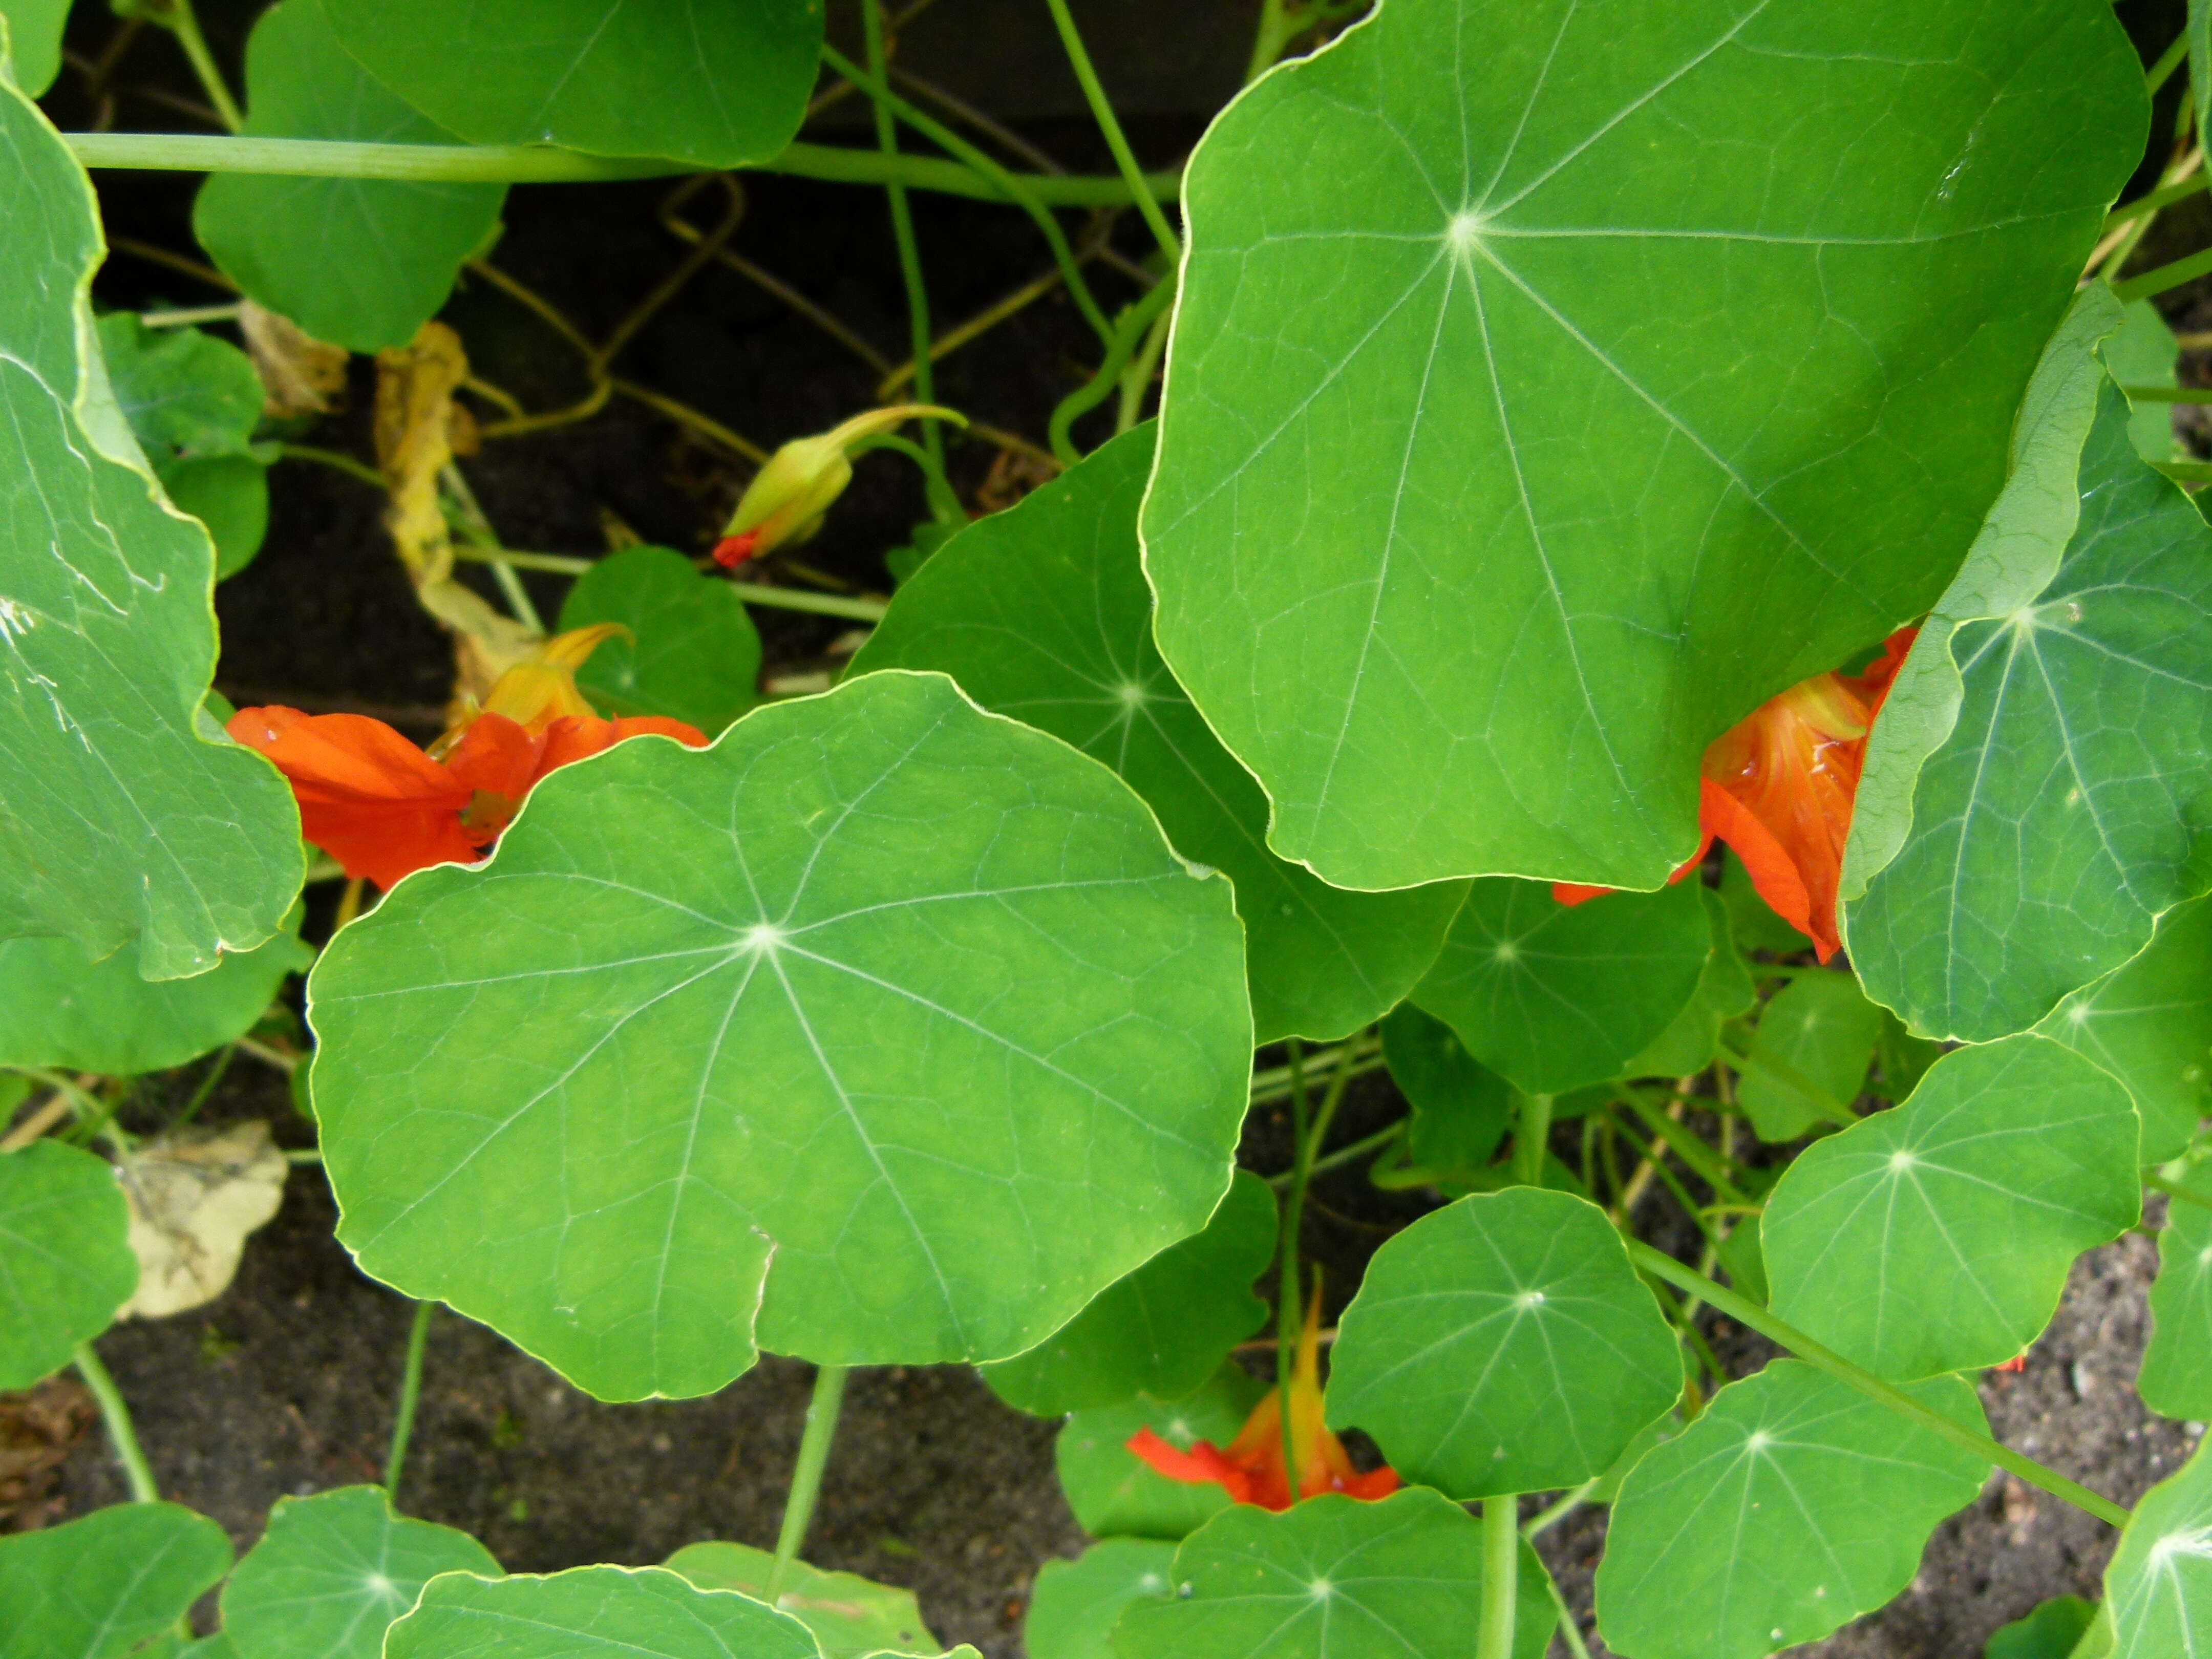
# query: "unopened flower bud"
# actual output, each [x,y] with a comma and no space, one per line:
[788,497]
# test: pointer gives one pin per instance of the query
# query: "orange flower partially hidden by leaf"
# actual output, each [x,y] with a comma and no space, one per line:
[1251,1469]
[1777,787]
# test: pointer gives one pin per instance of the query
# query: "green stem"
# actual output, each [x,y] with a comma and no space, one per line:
[410,1394]
[335,461]
[2168,61]
[1749,1313]
[2162,277]
[814,1445]
[1101,111]
[2195,473]
[543,164]
[1692,1150]
[944,501]
[1134,324]
[1137,378]
[1344,1155]
[1544,1519]
[207,1086]
[2158,1184]
[1501,1576]
[776,598]
[192,316]
[2165,196]
[1825,1106]
[120,1433]
[177,16]
[2168,394]
[1530,1139]
[909,254]
[1286,1251]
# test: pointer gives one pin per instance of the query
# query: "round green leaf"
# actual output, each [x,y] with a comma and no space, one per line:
[34,41]
[721,85]
[1503,1344]
[57,1009]
[65,1263]
[2150,1024]
[592,1612]
[2051,1631]
[1604,407]
[1334,1577]
[691,653]
[331,1573]
[2176,1379]
[1809,1056]
[2157,1585]
[185,392]
[103,1586]
[1074,1604]
[1936,1237]
[1462,1108]
[1113,1494]
[1724,991]
[1792,1505]
[128,815]
[1040,612]
[1552,996]
[362,263]
[230,495]
[848,1615]
[1162,1330]
[911,998]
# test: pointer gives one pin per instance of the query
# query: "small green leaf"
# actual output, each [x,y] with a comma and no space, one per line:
[2143,353]
[1334,1577]
[34,41]
[185,392]
[2150,1024]
[1809,1057]
[230,495]
[1113,1494]
[57,1009]
[1724,991]
[1462,1108]
[1792,1505]
[362,263]
[65,1263]
[2157,1585]
[849,1615]
[723,86]
[1554,996]
[1503,1344]
[1162,1330]
[592,1612]
[1041,613]
[1936,1237]
[101,1587]
[2176,1379]
[692,655]
[2051,1631]
[909,998]
[1074,1604]
[331,1573]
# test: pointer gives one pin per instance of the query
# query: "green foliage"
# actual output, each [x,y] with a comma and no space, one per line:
[1752,919]
[1809,1057]
[34,37]
[2142,353]
[848,1615]
[1502,1344]
[592,1612]
[2049,1632]
[65,1264]
[360,263]
[2157,1585]
[2175,1381]
[1791,1506]
[1162,1331]
[1114,1495]
[1074,1604]
[721,86]
[107,1584]
[123,816]
[331,1573]
[1041,613]
[1724,991]
[691,653]
[1552,996]
[1462,1108]
[911,998]
[1936,1237]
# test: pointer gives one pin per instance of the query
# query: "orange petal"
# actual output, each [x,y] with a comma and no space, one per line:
[1376,1483]
[1775,876]
[1202,1464]
[495,755]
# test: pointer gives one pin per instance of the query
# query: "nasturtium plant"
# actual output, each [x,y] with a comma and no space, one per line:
[1074,1604]
[34,41]
[687,649]
[848,1616]
[1816,1037]
[1114,1494]
[2159,1582]
[112,1583]
[2174,1380]
[592,1612]
[65,1266]
[1460,1108]
[1723,992]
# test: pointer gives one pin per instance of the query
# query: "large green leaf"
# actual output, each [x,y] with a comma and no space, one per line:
[593,1612]
[1113,1494]
[722,85]
[2157,1585]
[362,263]
[331,1573]
[2040,798]
[122,813]
[1552,996]
[1503,1344]
[2176,1379]
[2150,1024]
[849,1615]
[66,1261]
[1809,1056]
[907,997]
[1608,404]
[1333,1578]
[1936,1237]
[103,1586]
[57,1009]
[690,652]
[1792,1505]
[34,41]
[1162,1330]
[1074,1604]
[1724,991]
[1041,612]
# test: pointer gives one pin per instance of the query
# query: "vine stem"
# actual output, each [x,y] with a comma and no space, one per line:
[1286,1249]
[1660,1265]
[410,1394]
[909,253]
[1101,111]
[1501,1576]
[121,1434]
[1136,322]
[1530,1141]
[178,17]
[828,1399]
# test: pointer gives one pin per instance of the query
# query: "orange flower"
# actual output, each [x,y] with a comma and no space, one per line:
[1251,1470]
[1779,787]
[382,807]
